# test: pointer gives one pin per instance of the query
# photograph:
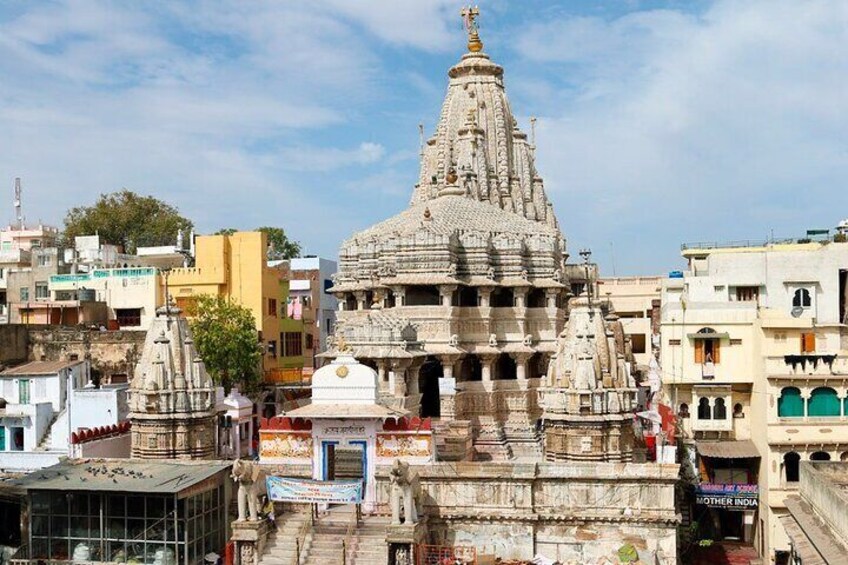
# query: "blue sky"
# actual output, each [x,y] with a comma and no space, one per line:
[658,122]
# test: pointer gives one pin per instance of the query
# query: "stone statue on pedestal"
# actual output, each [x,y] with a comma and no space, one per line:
[406,491]
[251,484]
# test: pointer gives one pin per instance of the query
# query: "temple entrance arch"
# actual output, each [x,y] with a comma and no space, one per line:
[428,384]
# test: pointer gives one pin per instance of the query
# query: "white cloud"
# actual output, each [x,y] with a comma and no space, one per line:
[323,159]
[679,126]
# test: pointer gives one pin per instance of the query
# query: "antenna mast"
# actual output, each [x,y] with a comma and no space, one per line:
[18,211]
[420,139]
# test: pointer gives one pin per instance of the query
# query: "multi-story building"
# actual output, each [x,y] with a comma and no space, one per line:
[636,301]
[235,266]
[753,354]
[45,403]
[309,279]
[16,245]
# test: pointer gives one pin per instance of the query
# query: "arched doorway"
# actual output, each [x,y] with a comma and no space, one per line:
[791,461]
[428,385]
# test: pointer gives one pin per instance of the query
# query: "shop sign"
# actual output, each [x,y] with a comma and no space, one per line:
[284,489]
[730,497]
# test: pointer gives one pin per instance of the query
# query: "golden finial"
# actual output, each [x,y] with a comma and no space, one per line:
[342,346]
[469,16]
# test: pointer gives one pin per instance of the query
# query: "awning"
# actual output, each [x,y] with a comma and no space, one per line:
[728,449]
[716,335]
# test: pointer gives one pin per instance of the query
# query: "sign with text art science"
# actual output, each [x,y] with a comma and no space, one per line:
[284,489]
[729,497]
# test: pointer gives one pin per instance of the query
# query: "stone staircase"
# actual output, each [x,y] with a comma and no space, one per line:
[525,443]
[44,443]
[490,443]
[323,544]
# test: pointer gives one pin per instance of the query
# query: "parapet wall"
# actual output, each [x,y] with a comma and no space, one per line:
[14,339]
[110,352]
[577,513]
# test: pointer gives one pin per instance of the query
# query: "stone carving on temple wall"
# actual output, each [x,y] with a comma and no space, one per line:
[404,445]
[288,445]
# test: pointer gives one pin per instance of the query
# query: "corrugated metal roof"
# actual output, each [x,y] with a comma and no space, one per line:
[728,449]
[122,475]
[39,368]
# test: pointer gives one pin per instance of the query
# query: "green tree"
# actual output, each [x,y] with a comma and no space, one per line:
[280,246]
[225,336]
[127,219]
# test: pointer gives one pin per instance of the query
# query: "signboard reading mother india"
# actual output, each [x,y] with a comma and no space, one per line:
[283,489]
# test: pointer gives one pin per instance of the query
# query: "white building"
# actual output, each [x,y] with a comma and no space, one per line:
[754,360]
[634,300]
[45,402]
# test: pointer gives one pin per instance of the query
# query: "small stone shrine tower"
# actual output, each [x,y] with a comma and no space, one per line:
[589,394]
[172,397]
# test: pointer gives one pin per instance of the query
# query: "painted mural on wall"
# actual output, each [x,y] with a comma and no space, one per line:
[285,445]
[391,445]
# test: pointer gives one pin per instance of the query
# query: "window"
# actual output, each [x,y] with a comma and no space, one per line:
[684,410]
[24,293]
[790,404]
[747,293]
[41,291]
[128,317]
[790,465]
[719,410]
[738,411]
[272,307]
[637,342]
[808,342]
[707,349]
[44,260]
[820,456]
[293,344]
[823,403]
[674,342]
[801,298]
[704,409]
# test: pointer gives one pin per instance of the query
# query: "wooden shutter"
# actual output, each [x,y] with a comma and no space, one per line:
[716,351]
[808,342]
[699,351]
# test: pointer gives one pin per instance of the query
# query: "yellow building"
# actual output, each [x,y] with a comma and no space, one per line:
[235,266]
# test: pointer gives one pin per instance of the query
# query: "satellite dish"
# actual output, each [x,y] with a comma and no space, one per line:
[797,311]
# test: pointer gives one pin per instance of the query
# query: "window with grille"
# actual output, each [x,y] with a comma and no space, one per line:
[128,316]
[41,291]
[293,344]
[24,293]
[747,293]
[801,298]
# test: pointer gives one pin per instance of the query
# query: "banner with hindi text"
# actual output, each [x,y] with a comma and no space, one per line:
[284,489]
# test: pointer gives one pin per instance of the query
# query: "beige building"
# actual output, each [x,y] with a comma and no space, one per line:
[753,354]
[636,301]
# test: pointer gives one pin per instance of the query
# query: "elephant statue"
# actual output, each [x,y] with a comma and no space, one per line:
[406,492]
[251,485]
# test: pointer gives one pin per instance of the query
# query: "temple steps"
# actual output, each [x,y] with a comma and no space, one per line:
[323,543]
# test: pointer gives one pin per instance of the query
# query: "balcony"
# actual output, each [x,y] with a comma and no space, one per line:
[723,425]
[15,256]
[806,365]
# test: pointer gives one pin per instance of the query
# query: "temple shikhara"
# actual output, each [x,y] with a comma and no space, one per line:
[468,388]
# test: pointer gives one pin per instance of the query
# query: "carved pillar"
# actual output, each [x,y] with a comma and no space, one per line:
[805,395]
[360,300]
[520,294]
[446,294]
[400,295]
[521,364]
[382,375]
[486,362]
[551,297]
[485,295]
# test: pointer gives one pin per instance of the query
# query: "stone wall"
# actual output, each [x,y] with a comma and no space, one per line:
[112,353]
[577,513]
[14,339]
